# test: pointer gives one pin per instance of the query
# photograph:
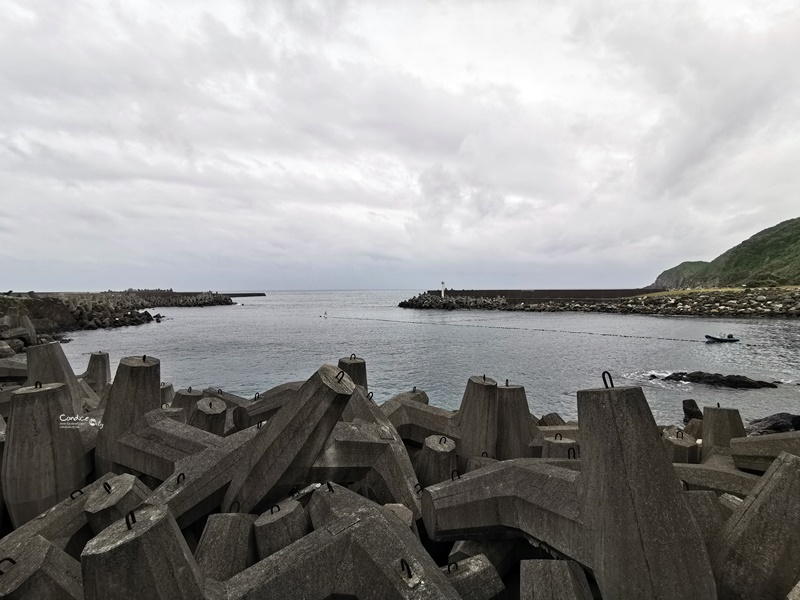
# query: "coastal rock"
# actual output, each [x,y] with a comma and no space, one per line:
[777,423]
[732,381]
[691,411]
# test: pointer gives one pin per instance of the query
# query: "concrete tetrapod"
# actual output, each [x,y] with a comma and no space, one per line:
[718,474]
[368,453]
[265,405]
[283,451]
[187,400]
[43,461]
[436,461]
[720,426]
[560,447]
[136,390]
[98,372]
[680,446]
[142,556]
[47,363]
[553,580]
[415,421]
[475,578]
[114,500]
[209,415]
[278,527]
[39,570]
[756,453]
[227,546]
[477,419]
[356,368]
[514,425]
[644,541]
[356,550]
[707,513]
[757,554]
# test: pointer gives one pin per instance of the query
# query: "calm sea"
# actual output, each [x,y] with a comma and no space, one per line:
[286,336]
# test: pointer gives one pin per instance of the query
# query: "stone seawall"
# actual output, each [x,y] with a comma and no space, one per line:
[764,302]
[73,312]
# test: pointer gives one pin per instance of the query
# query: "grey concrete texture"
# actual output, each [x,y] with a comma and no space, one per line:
[136,390]
[475,578]
[718,474]
[98,372]
[694,428]
[680,446]
[477,419]
[478,462]
[560,447]
[707,513]
[283,451]
[552,420]
[39,570]
[47,363]
[756,453]
[356,368]
[514,424]
[553,580]
[227,546]
[503,554]
[521,495]
[265,406]
[414,395]
[147,558]
[370,454]
[436,461]
[43,459]
[415,421]
[355,550]
[115,499]
[644,541]
[209,415]
[283,524]
[757,554]
[167,394]
[64,525]
[720,426]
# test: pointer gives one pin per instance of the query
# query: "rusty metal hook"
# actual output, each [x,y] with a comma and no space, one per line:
[189,389]
[256,396]
[679,432]
[484,454]
[370,396]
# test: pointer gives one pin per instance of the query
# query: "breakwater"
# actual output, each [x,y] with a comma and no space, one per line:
[73,312]
[311,489]
[762,302]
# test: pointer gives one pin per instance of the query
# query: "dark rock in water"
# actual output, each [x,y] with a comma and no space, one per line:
[691,411]
[777,423]
[732,381]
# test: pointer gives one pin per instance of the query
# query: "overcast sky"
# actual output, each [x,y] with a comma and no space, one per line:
[337,145]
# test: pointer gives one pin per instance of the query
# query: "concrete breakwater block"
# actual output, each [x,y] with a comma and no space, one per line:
[560,447]
[98,372]
[187,399]
[757,453]
[265,405]
[38,569]
[477,419]
[553,580]
[644,541]
[356,368]
[475,578]
[756,554]
[115,499]
[142,556]
[43,457]
[227,546]
[514,424]
[209,415]
[720,426]
[680,446]
[278,527]
[436,461]
[283,451]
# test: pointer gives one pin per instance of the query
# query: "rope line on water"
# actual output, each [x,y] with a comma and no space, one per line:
[641,337]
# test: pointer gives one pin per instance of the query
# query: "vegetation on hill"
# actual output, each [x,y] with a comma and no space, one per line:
[770,257]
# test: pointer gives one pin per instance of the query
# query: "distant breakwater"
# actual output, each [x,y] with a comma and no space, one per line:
[73,312]
[762,302]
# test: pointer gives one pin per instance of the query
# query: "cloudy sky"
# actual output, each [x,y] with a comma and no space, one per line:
[361,144]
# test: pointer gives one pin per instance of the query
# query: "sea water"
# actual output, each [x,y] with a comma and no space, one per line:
[286,336]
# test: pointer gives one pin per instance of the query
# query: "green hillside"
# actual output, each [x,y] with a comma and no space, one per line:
[770,257]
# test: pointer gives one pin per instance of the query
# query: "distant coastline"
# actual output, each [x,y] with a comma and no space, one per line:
[745,302]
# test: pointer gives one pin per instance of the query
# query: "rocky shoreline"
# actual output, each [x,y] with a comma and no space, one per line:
[761,302]
[104,310]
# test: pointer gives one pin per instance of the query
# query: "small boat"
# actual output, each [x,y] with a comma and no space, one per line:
[721,338]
